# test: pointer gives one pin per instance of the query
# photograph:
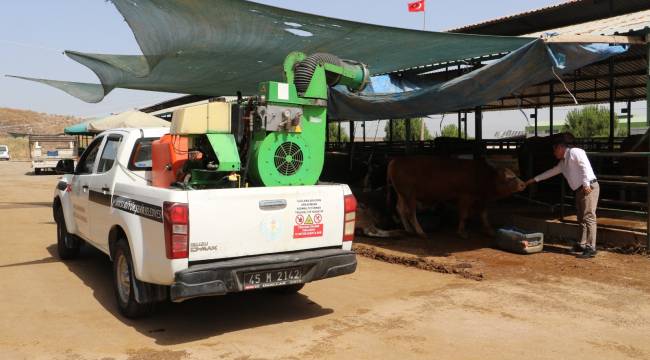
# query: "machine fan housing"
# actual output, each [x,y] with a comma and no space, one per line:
[286,159]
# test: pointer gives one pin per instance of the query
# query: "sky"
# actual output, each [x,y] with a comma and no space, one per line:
[34,33]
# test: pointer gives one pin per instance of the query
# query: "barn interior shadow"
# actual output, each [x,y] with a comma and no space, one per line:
[440,243]
[198,318]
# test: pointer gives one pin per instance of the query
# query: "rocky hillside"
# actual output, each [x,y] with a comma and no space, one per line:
[30,122]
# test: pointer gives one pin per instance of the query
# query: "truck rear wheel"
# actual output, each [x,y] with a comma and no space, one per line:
[124,281]
[67,245]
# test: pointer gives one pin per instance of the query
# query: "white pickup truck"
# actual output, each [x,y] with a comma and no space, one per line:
[168,243]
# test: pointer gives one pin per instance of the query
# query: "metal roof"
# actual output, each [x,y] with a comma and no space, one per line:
[590,85]
[622,24]
[556,16]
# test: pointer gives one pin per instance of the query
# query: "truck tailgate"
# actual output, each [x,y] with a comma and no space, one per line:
[229,223]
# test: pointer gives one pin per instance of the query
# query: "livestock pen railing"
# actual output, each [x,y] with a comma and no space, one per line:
[623,183]
[459,146]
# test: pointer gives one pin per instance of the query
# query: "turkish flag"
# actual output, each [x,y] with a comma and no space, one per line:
[417,6]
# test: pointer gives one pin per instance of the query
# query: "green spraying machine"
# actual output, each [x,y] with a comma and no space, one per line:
[280,133]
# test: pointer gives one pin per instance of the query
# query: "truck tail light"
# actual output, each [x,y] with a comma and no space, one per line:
[350,207]
[177,229]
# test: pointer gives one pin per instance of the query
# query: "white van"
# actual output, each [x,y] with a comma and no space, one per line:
[4,152]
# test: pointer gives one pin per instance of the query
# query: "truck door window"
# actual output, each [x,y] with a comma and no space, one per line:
[87,161]
[141,155]
[109,153]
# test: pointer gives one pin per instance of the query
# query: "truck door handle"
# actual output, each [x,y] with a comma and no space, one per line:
[273,204]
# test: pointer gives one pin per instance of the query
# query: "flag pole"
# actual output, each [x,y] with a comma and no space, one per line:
[424,19]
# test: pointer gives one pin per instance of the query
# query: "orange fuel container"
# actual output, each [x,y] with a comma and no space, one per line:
[168,155]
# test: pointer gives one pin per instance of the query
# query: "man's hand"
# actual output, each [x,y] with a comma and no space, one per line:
[587,189]
[530,182]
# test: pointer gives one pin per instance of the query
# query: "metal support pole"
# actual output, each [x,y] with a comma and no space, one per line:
[390,131]
[460,119]
[408,129]
[563,195]
[550,108]
[647,94]
[328,140]
[408,134]
[465,125]
[536,116]
[478,126]
[629,118]
[364,130]
[338,136]
[612,99]
[351,146]
[478,131]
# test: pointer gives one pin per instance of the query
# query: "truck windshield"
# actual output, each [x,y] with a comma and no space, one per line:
[3,148]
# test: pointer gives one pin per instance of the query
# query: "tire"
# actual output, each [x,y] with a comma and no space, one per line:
[37,171]
[67,245]
[123,283]
[287,289]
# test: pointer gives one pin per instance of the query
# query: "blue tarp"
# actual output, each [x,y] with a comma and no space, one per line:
[389,96]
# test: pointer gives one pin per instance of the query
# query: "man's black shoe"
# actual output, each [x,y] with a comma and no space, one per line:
[577,248]
[588,253]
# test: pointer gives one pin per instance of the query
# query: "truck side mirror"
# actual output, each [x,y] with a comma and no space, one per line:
[65,167]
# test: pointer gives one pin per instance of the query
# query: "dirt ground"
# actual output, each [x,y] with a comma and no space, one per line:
[494,305]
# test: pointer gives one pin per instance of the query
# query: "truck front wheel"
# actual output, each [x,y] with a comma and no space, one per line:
[67,245]
[124,281]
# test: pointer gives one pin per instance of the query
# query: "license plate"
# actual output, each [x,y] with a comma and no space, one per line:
[272,278]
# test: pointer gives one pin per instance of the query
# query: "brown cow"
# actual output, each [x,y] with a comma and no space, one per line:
[429,180]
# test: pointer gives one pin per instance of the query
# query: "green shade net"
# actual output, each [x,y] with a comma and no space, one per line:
[219,47]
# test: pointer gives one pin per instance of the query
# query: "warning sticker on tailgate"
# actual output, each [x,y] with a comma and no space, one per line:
[309,219]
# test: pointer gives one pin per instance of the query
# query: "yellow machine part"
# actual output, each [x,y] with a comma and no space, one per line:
[214,117]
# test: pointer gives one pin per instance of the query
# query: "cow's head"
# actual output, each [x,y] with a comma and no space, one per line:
[508,183]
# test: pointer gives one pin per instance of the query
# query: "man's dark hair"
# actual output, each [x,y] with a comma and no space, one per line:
[565,139]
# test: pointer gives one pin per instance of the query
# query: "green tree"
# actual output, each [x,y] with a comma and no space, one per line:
[399,130]
[590,121]
[451,130]
[333,133]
